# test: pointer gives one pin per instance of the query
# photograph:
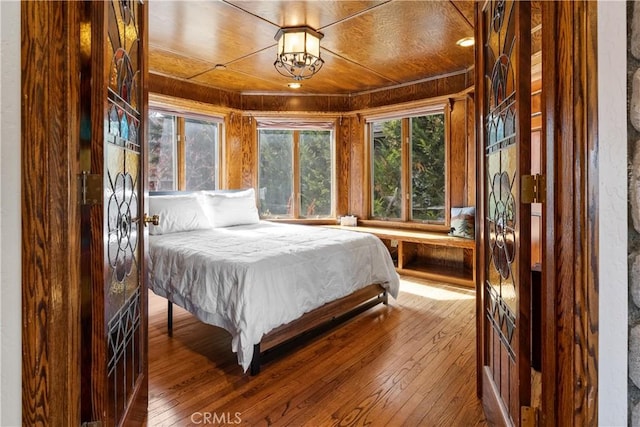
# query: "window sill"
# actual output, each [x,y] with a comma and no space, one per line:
[442,228]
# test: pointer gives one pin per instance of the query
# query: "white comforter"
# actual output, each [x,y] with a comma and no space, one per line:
[251,279]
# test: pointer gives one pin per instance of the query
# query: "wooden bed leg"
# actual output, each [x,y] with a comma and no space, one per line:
[255,360]
[169,318]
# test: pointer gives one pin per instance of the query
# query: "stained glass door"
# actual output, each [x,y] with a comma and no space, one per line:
[114,297]
[504,61]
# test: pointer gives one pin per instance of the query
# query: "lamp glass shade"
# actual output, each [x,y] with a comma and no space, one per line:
[293,42]
[313,45]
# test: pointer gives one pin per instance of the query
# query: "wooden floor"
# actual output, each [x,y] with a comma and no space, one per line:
[411,363]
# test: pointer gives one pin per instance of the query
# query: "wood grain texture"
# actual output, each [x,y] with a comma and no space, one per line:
[408,363]
[569,285]
[94,400]
[359,199]
[315,318]
[433,256]
[98,396]
[181,167]
[206,42]
[233,150]
[457,162]
[433,88]
[536,26]
[343,159]
[508,363]
[50,215]
[163,85]
[471,177]
[589,332]
[482,331]
[249,153]
[519,370]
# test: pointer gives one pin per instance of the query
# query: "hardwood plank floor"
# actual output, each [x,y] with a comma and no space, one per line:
[411,363]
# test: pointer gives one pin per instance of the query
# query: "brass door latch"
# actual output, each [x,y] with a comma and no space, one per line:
[155,219]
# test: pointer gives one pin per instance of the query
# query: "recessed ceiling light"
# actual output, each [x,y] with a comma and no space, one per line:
[466,42]
[294,85]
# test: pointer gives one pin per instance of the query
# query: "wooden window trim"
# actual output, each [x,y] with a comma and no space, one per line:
[181,153]
[295,152]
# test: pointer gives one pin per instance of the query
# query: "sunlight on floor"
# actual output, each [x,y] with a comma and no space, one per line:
[435,292]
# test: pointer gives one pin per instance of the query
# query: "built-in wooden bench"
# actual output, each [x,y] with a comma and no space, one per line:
[430,255]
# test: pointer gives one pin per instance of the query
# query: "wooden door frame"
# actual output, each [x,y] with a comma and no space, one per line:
[50,249]
[570,258]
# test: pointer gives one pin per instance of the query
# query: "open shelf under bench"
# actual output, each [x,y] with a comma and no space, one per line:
[429,255]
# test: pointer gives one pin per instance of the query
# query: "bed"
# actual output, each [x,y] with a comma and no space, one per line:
[265,283]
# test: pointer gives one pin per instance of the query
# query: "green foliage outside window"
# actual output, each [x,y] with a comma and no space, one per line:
[428,168]
[427,171]
[315,173]
[387,169]
[276,173]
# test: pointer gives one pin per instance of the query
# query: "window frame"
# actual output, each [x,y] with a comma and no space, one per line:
[181,116]
[405,220]
[297,126]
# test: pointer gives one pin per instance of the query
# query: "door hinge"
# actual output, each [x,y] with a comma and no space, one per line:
[90,187]
[533,188]
[528,417]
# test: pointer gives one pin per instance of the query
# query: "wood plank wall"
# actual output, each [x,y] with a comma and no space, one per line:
[458,164]
[343,164]
[233,151]
[240,148]
[358,166]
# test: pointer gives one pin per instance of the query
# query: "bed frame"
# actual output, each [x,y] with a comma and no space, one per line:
[311,323]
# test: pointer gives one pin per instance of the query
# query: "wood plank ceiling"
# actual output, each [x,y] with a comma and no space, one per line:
[367,45]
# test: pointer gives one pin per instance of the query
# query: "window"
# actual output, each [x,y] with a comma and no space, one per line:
[162,152]
[183,152]
[200,154]
[295,162]
[408,180]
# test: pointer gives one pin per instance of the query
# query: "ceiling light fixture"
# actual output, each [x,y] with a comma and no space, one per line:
[466,42]
[295,85]
[298,52]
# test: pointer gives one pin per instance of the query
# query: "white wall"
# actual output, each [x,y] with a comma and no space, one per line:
[10,273]
[612,135]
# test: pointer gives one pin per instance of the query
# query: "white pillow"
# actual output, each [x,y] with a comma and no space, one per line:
[229,209]
[177,213]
